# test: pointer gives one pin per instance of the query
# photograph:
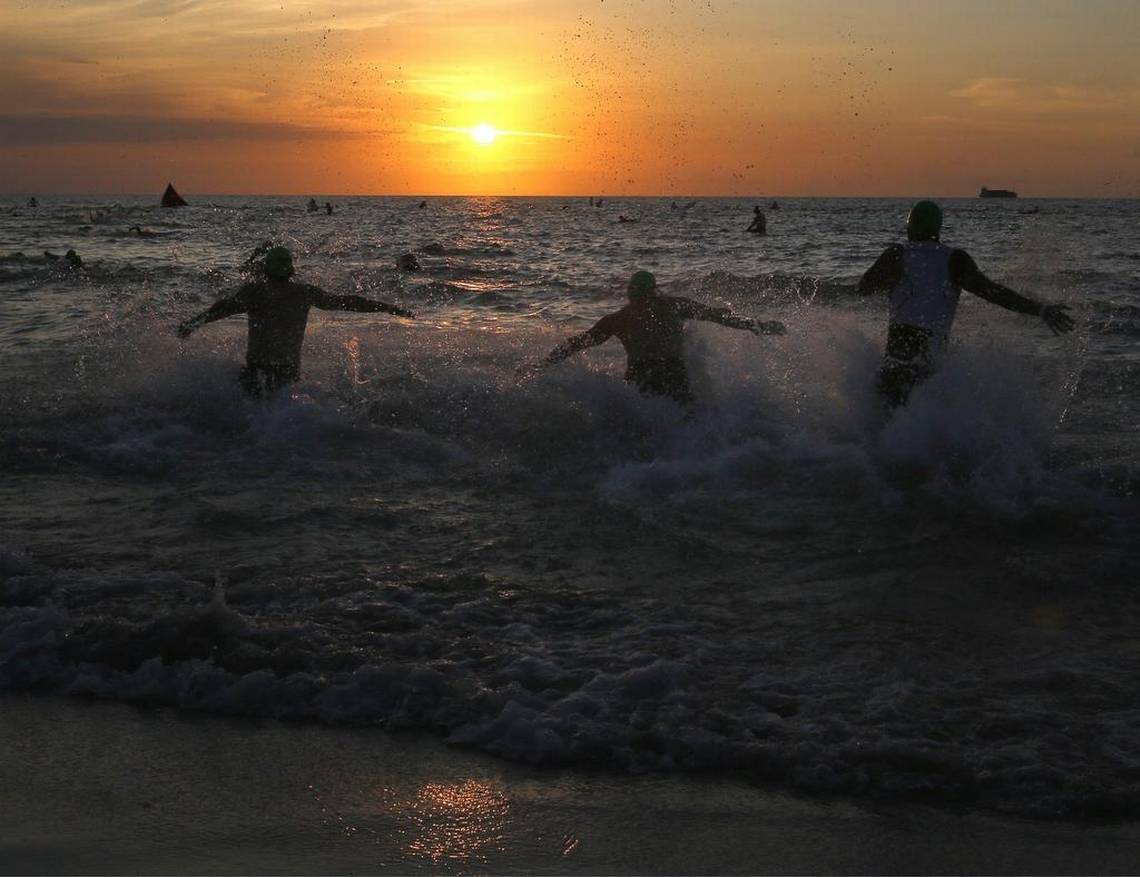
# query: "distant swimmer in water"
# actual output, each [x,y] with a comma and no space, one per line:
[651,329]
[328,208]
[924,279]
[423,204]
[278,310]
[70,258]
[313,206]
[143,232]
[759,221]
[32,202]
[624,218]
[408,262]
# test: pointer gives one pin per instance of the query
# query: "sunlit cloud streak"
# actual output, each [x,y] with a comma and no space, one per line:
[500,132]
[30,130]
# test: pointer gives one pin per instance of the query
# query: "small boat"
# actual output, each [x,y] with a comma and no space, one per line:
[996,193]
[170,198]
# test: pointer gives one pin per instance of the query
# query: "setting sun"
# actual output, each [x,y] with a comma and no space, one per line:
[483,134]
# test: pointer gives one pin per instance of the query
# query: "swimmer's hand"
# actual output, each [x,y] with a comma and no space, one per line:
[772,327]
[1057,320]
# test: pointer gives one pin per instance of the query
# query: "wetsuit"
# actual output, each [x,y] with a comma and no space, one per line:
[652,333]
[924,301]
[278,312]
[925,279]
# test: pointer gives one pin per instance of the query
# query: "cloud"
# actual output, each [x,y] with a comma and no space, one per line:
[39,130]
[1023,97]
[163,8]
[992,92]
[126,23]
[500,132]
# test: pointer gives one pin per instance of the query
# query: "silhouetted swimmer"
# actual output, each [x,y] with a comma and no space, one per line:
[32,202]
[408,262]
[924,278]
[278,311]
[142,232]
[70,258]
[328,208]
[651,329]
[775,205]
[759,221]
[624,218]
[313,206]
[423,204]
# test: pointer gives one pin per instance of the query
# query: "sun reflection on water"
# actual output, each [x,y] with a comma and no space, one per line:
[457,822]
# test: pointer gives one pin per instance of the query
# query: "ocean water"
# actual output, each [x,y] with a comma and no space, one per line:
[779,586]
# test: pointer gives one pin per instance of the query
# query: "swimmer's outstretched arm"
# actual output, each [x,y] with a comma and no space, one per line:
[884,274]
[328,302]
[229,306]
[964,273]
[592,337]
[693,310]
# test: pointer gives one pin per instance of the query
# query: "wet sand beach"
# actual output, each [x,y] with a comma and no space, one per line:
[103,788]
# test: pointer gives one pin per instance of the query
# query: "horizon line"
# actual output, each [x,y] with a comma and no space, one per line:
[601,195]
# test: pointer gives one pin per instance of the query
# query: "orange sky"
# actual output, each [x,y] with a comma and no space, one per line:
[670,97]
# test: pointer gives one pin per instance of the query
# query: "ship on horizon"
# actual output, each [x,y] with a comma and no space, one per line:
[997,193]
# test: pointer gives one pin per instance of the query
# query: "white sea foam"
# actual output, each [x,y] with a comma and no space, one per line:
[781,583]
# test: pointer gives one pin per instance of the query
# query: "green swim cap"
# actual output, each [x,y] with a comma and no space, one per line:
[924,222]
[278,263]
[642,285]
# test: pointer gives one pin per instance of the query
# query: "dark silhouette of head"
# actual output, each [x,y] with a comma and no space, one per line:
[278,263]
[408,262]
[924,222]
[642,286]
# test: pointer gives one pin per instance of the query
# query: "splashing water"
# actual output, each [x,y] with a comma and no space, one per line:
[781,583]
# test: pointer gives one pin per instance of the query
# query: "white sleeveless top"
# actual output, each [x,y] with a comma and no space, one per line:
[924,296]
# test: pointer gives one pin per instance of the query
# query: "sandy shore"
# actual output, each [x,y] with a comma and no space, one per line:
[104,788]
